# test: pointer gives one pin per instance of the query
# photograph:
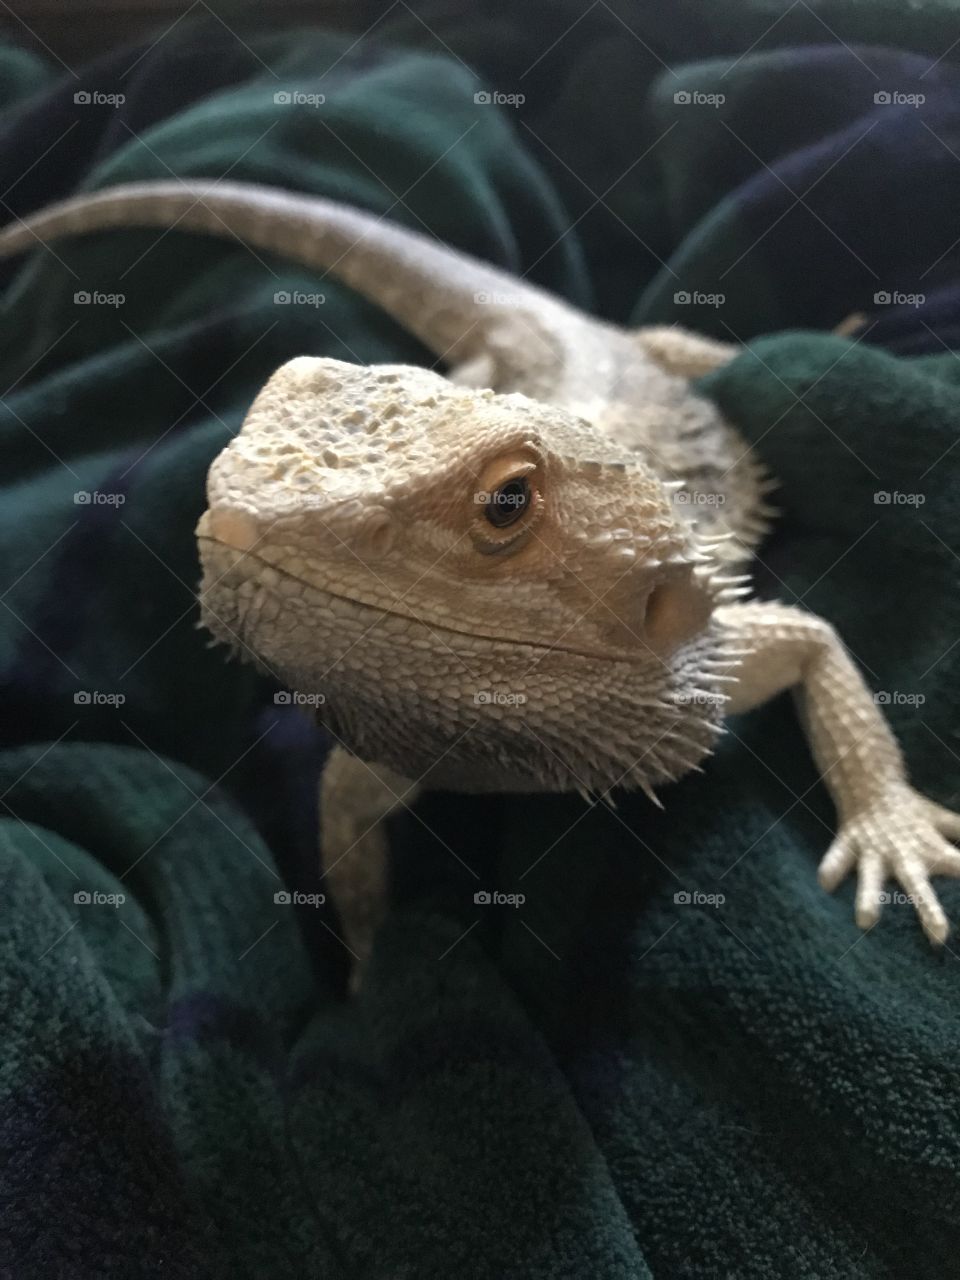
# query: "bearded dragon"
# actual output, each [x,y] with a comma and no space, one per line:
[518,577]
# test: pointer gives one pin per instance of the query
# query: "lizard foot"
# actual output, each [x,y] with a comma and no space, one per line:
[900,835]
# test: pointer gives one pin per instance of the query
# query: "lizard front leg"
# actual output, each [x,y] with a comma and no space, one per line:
[885,827]
[688,355]
[355,800]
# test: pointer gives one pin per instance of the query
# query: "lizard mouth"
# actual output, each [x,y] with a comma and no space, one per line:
[642,653]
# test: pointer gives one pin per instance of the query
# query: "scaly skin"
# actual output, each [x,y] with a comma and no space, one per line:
[353,545]
[346,524]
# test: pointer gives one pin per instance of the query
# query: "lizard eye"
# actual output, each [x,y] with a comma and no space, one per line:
[508,501]
[507,504]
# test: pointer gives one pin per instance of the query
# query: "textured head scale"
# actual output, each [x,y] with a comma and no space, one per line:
[481,587]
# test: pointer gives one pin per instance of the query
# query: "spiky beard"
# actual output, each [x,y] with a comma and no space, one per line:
[570,722]
[582,726]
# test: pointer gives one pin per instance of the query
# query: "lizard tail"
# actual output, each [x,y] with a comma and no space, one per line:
[456,305]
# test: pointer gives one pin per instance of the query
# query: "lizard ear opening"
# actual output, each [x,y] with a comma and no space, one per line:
[676,611]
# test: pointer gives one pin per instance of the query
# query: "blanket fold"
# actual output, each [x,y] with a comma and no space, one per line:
[676,1057]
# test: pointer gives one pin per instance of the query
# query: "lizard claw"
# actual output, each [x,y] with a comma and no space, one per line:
[900,835]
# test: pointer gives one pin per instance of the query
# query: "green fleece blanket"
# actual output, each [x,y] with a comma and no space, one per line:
[677,1057]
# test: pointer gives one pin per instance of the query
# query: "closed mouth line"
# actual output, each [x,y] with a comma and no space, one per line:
[543,649]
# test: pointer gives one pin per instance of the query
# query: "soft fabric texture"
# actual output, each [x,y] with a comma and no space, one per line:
[605,1081]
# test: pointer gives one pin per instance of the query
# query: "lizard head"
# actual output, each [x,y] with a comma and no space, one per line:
[476,588]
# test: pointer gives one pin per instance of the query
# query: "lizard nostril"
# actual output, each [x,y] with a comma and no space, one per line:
[378,534]
[676,611]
